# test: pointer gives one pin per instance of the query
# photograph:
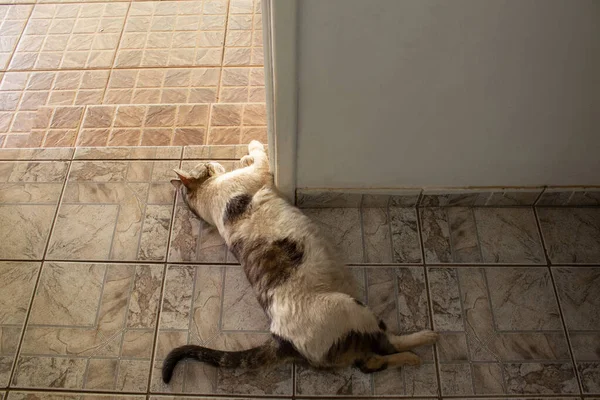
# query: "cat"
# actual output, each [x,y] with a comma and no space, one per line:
[299,279]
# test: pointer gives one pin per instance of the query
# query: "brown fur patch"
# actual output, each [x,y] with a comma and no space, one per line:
[236,207]
[268,264]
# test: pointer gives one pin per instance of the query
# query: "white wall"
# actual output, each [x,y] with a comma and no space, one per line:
[396,93]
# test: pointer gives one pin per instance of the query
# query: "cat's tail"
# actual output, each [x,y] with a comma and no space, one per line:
[267,354]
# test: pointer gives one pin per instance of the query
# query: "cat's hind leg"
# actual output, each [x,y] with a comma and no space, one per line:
[376,362]
[410,341]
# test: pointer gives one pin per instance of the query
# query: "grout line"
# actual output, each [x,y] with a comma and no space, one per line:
[558,302]
[436,359]
[162,293]
[37,282]
[566,331]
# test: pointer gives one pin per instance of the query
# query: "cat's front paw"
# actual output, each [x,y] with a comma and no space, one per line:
[247,161]
[255,145]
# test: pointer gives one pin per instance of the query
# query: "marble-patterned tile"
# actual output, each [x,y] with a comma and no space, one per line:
[571,235]
[29,195]
[115,210]
[35,395]
[127,153]
[343,227]
[405,235]
[12,22]
[17,282]
[80,36]
[501,332]
[172,34]
[193,313]
[162,86]
[377,235]
[453,198]
[583,196]
[244,41]
[207,398]
[241,311]
[449,235]
[318,198]
[215,152]
[579,294]
[242,85]
[398,296]
[346,382]
[509,235]
[91,327]
[36,154]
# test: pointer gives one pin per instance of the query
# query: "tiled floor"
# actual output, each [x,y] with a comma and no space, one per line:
[106,270]
[78,57]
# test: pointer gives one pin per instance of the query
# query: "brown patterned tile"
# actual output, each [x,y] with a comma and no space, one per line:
[571,235]
[578,289]
[243,43]
[35,395]
[169,33]
[168,86]
[342,226]
[12,21]
[106,213]
[405,235]
[29,194]
[82,322]
[148,125]
[475,235]
[242,85]
[191,313]
[82,36]
[17,282]
[514,338]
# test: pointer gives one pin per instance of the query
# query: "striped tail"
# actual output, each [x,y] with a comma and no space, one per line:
[264,355]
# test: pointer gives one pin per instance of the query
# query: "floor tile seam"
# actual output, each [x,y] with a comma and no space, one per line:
[558,301]
[38,279]
[16,45]
[114,58]
[436,353]
[86,357]
[162,290]
[566,332]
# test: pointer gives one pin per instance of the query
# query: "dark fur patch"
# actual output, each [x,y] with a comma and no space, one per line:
[236,207]
[268,264]
[286,349]
[361,343]
[360,303]
[382,325]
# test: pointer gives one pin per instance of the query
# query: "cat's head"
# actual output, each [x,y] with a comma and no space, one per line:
[191,183]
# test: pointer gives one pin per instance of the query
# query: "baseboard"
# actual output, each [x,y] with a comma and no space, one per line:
[549,196]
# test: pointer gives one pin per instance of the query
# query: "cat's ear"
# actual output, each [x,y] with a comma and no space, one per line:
[184,178]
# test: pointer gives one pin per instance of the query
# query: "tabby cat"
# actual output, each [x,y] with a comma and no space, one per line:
[307,292]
